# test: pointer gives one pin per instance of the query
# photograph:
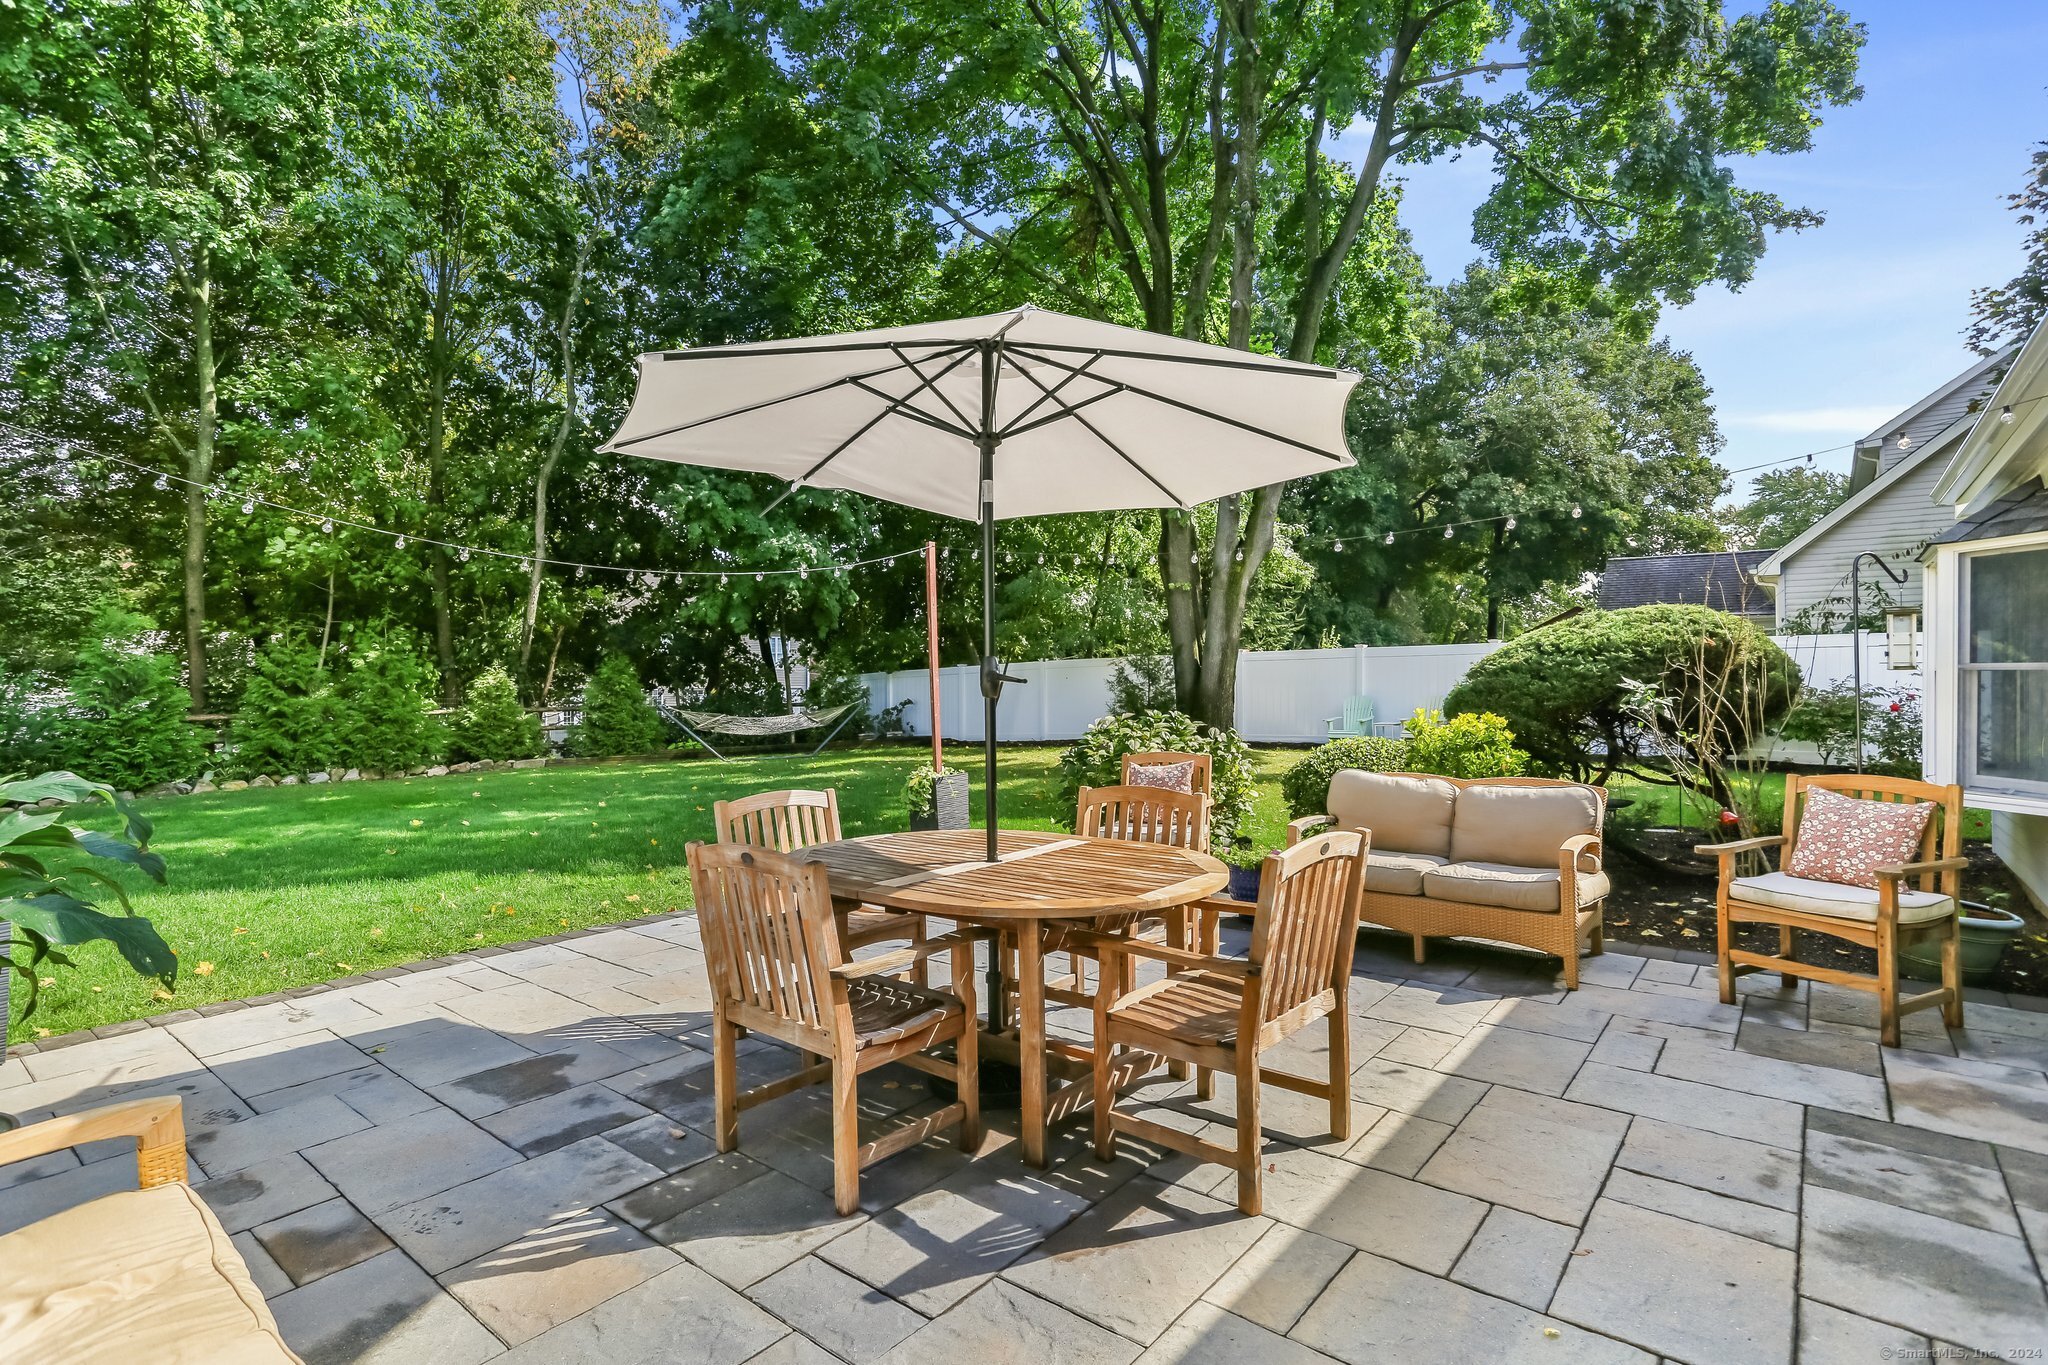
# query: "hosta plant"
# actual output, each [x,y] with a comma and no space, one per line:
[48,881]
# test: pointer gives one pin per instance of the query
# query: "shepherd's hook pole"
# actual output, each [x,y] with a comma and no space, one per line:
[1856,631]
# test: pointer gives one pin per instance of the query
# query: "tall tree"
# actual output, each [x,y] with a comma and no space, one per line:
[1782,504]
[2010,312]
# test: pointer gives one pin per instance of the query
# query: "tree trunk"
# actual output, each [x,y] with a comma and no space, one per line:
[566,334]
[199,472]
[439,353]
[327,626]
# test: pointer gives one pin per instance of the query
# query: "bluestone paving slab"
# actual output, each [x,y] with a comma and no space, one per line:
[269,1279]
[1570,1017]
[1840,1051]
[1721,1298]
[1411,1222]
[676,1194]
[1530,1152]
[653,1322]
[1965,1192]
[1775,1226]
[1776,1123]
[748,1233]
[1441,1009]
[34,1200]
[457,1225]
[1274,1282]
[1000,1321]
[558,1120]
[1137,1260]
[383,1311]
[1829,1336]
[854,1322]
[1506,1056]
[1983,1045]
[263,1192]
[1732,1167]
[1972,1106]
[374,1091]
[1624,1048]
[269,1066]
[435,1053]
[231,1146]
[794,1349]
[532,1078]
[661,1142]
[1796,1082]
[225,1033]
[1936,1277]
[1516,1256]
[1415,1090]
[1207,1335]
[545,1278]
[408,1159]
[157,1047]
[1692,1011]
[320,1240]
[1419,1047]
[1377,1311]
[1399,1143]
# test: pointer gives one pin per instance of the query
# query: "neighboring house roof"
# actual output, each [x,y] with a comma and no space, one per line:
[1881,450]
[2020,512]
[1999,455]
[1722,579]
[1773,566]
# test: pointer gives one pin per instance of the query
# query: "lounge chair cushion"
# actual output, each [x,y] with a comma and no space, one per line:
[1507,886]
[144,1275]
[1398,874]
[1405,814]
[1520,826]
[1783,891]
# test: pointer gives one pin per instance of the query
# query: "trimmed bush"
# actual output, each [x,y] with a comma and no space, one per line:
[1572,691]
[125,725]
[286,723]
[1476,744]
[384,702]
[617,718]
[1306,785]
[1096,760]
[492,723]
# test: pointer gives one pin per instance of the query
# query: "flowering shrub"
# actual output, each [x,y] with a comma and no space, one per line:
[1475,744]
[1826,718]
[1096,760]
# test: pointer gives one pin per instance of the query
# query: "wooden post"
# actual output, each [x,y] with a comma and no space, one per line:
[931,648]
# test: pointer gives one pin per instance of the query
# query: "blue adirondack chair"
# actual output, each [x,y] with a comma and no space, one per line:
[1356,720]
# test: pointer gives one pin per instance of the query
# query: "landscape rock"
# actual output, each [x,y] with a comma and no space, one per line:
[203,785]
[352,775]
[438,770]
[315,779]
[529,763]
[261,782]
[234,784]
[460,767]
[288,781]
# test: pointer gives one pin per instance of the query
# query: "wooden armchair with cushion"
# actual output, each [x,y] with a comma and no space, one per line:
[145,1275]
[1224,1014]
[1201,771]
[1873,860]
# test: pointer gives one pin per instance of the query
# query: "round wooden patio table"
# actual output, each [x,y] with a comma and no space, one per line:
[1038,880]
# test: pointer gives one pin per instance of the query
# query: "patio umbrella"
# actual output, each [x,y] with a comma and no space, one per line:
[1014,414]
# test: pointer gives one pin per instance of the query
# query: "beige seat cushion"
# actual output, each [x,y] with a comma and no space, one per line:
[1784,891]
[1405,814]
[1520,826]
[1398,874]
[1511,888]
[141,1276]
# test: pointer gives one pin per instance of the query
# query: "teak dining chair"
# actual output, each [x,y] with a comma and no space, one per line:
[1915,900]
[779,968]
[1201,779]
[787,821]
[1222,1014]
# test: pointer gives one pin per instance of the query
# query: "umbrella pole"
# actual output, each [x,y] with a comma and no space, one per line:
[989,692]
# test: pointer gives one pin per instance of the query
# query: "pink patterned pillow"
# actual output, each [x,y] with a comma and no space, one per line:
[1844,839]
[1173,777]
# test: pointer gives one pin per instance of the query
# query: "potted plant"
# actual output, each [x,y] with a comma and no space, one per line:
[936,798]
[1986,932]
[1245,859]
[45,880]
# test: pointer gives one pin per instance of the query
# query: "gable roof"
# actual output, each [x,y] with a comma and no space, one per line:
[1773,566]
[2020,512]
[1998,453]
[1959,397]
[1722,579]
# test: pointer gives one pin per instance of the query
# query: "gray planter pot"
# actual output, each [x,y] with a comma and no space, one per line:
[1986,933]
[949,804]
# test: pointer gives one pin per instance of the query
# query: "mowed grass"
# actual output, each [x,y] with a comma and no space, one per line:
[276,888]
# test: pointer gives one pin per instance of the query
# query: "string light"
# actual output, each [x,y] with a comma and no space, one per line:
[1390,538]
[162,483]
[1447,532]
[2005,414]
[1576,511]
[327,526]
[463,554]
[1338,547]
[1511,523]
[398,544]
[249,507]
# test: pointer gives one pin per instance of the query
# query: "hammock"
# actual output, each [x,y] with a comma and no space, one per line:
[760,727]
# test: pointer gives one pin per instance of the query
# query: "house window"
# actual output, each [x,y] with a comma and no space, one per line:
[2005,670]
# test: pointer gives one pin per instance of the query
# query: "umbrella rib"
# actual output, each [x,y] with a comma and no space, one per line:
[1200,411]
[1096,432]
[757,350]
[754,407]
[901,408]
[895,404]
[1298,369]
[932,384]
[1015,426]
[1066,410]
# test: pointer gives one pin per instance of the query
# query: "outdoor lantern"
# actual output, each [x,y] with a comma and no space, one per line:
[1902,638]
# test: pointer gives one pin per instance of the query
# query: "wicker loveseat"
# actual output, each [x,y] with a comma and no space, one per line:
[1513,859]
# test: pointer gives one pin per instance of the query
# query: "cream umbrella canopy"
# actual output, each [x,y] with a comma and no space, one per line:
[1015,414]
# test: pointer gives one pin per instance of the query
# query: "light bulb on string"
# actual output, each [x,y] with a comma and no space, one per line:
[162,483]
[721,580]
[1390,538]
[1511,523]
[1337,548]
[463,554]
[247,507]
[1240,556]
[2005,414]
[1447,532]
[803,571]
[760,577]
[327,526]
[1577,511]
[399,544]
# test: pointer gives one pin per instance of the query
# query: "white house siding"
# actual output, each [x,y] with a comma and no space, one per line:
[1896,523]
[2021,843]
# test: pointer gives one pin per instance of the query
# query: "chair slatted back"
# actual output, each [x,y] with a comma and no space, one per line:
[1201,779]
[784,821]
[769,937]
[1943,837]
[1150,815]
[1307,927]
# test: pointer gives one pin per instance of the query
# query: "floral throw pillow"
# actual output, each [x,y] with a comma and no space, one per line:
[1844,839]
[1173,777]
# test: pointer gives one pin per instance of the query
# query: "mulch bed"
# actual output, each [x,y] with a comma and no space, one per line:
[1664,895]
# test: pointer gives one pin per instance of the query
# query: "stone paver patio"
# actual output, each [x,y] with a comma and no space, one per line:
[505,1158]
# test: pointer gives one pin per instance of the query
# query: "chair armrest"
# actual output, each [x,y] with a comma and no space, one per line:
[1572,851]
[889,963]
[156,1123]
[1729,850]
[1159,952]
[1889,874]
[1297,830]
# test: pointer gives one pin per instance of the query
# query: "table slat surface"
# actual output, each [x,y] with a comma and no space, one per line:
[1037,876]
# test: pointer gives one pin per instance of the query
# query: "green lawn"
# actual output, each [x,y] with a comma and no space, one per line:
[1668,806]
[277,888]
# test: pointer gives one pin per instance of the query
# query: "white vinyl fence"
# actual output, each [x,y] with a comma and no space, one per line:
[1287,696]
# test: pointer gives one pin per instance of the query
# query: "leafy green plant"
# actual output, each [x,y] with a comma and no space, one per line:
[1306,785]
[42,877]
[287,720]
[617,717]
[1476,744]
[384,707]
[493,723]
[1243,854]
[1826,718]
[125,722]
[920,790]
[1096,760]
[1143,683]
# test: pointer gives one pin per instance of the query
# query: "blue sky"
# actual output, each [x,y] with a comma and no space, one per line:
[1851,322]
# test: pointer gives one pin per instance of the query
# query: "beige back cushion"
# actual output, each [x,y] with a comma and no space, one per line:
[1405,814]
[1520,826]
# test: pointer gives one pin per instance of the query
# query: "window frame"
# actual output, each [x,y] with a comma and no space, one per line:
[1968,696]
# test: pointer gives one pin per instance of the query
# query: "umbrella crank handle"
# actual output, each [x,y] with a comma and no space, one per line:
[993,678]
